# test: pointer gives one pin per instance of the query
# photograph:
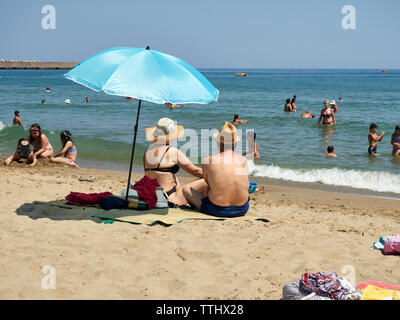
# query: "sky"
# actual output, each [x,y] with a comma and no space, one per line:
[235,34]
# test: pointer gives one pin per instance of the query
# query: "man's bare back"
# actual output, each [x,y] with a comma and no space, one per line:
[227,176]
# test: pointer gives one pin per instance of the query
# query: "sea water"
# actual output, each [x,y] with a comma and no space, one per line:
[291,148]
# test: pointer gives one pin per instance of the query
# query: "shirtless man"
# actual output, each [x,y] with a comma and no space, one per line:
[17,120]
[373,139]
[226,176]
[327,115]
[307,114]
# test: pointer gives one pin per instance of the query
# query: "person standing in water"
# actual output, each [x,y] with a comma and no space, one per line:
[252,146]
[327,115]
[373,139]
[236,121]
[288,106]
[17,120]
[396,141]
[330,152]
[293,103]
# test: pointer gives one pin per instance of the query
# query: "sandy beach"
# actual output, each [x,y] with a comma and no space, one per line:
[309,231]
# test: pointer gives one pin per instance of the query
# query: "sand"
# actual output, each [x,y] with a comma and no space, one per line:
[309,231]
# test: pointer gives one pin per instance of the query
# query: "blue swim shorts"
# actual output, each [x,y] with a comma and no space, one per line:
[208,207]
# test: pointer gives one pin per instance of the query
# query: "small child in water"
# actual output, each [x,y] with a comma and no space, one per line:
[68,150]
[330,153]
[24,151]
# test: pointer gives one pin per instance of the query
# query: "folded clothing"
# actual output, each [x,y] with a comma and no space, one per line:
[146,189]
[87,198]
[329,285]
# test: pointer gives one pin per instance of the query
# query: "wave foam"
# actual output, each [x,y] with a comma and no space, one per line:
[379,181]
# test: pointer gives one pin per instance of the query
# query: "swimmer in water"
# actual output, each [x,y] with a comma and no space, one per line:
[17,120]
[236,121]
[327,115]
[373,139]
[307,114]
[331,152]
[43,101]
[87,100]
[47,89]
[69,150]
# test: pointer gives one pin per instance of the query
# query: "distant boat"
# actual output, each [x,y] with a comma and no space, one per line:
[240,75]
[383,70]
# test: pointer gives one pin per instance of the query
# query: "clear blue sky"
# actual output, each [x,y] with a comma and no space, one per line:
[209,33]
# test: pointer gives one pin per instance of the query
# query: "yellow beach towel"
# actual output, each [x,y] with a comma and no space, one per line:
[376,293]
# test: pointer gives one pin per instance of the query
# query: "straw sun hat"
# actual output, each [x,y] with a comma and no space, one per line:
[165,130]
[227,134]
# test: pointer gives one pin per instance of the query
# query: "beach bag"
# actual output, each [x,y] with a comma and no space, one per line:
[392,245]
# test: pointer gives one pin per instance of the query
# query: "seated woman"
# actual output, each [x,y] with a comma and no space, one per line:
[162,161]
[41,145]
[68,150]
[24,151]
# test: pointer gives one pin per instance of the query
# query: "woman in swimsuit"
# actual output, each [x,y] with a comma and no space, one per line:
[162,161]
[327,115]
[293,103]
[68,150]
[396,141]
[41,145]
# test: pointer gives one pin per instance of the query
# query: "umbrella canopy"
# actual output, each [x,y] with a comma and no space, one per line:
[144,74]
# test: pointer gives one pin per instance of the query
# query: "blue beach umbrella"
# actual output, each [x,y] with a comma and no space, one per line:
[143,74]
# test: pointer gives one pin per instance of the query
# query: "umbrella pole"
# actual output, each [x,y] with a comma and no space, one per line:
[133,151]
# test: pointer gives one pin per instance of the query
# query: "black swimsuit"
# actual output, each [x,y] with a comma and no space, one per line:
[174,169]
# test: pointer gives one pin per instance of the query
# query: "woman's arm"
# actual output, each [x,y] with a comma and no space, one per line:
[43,145]
[63,150]
[187,165]
[333,116]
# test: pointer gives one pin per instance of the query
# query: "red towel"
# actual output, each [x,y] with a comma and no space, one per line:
[87,198]
[146,189]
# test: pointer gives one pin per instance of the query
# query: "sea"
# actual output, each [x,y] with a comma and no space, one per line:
[292,149]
